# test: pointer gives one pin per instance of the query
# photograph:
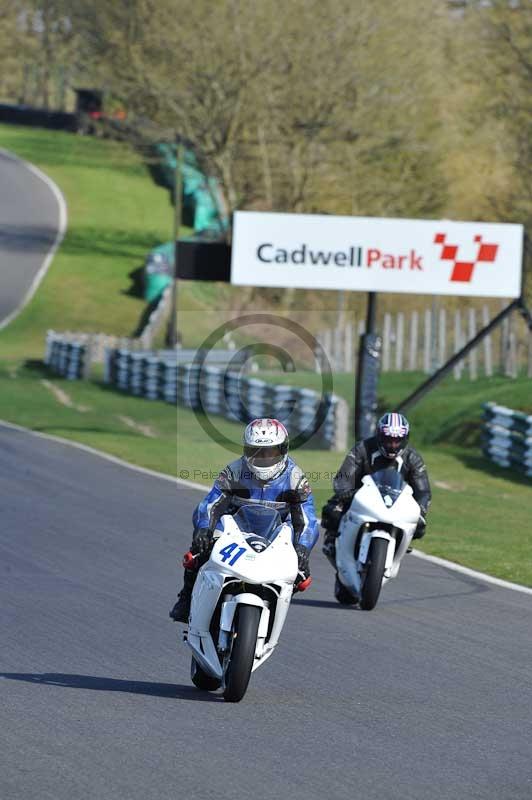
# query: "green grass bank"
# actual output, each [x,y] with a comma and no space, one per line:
[136,430]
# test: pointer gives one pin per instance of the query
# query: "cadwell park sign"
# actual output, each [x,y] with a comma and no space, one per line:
[368,254]
[372,255]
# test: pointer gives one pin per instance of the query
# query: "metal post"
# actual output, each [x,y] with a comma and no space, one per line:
[371,312]
[172,333]
[434,334]
[367,374]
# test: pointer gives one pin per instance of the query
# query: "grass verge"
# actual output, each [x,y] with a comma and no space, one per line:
[136,430]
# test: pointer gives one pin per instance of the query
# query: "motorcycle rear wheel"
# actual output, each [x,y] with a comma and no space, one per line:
[373,582]
[201,679]
[245,628]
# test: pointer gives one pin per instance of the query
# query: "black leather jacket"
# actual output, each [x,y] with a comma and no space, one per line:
[365,458]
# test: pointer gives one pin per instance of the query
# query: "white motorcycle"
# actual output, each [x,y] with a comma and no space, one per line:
[240,599]
[373,537]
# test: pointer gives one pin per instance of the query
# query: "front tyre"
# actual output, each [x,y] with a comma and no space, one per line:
[375,570]
[201,679]
[245,629]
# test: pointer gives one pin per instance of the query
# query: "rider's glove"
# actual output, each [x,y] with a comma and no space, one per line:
[303,567]
[419,533]
[202,540]
[331,514]
[303,579]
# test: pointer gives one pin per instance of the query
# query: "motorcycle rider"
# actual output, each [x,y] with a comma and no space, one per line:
[264,474]
[388,446]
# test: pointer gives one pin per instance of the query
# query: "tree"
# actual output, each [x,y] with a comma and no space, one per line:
[289,105]
[498,118]
[38,46]
[16,52]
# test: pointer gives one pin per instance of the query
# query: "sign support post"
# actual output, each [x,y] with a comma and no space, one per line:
[367,377]
[172,332]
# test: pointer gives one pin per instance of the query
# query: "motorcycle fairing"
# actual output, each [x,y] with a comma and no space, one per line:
[276,565]
[277,562]
[369,506]
[390,483]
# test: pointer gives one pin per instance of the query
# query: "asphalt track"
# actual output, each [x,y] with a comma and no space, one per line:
[30,218]
[429,696]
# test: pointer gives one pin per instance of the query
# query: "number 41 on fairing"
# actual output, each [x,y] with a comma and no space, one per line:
[227,551]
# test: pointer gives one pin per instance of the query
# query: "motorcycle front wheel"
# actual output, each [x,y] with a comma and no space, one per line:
[375,570]
[245,629]
[201,679]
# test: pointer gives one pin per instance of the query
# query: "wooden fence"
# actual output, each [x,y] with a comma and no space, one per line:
[425,340]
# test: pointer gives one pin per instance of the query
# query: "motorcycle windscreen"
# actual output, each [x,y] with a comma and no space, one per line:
[260,520]
[390,484]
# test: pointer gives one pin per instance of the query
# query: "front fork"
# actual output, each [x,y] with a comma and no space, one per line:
[227,617]
[365,544]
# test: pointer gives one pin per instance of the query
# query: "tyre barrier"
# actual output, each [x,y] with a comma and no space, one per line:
[507,437]
[66,357]
[71,354]
[211,388]
[38,117]
[155,375]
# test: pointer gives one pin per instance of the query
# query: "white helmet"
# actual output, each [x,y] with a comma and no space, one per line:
[266,448]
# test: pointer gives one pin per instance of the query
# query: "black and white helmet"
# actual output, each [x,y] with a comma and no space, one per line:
[266,448]
[392,434]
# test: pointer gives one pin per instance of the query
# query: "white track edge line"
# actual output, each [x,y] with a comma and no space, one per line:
[191,485]
[93,451]
[481,576]
[63,220]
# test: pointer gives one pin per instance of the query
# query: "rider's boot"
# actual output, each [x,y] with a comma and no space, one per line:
[181,610]
[343,595]
[329,547]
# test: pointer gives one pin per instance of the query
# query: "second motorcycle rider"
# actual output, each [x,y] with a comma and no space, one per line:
[388,447]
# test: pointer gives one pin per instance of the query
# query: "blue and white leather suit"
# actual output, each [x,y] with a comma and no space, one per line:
[289,493]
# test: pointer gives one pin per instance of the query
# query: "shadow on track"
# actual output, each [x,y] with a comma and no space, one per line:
[323,604]
[27,238]
[477,588]
[170,690]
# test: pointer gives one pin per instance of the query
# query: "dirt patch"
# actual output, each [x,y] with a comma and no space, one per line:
[145,430]
[63,398]
[446,486]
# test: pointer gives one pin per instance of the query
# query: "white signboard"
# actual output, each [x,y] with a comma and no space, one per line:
[370,254]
